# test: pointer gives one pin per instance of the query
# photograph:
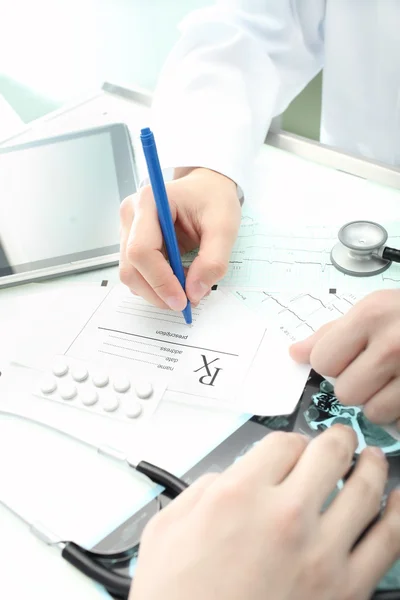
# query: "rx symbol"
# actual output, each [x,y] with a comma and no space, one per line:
[210,375]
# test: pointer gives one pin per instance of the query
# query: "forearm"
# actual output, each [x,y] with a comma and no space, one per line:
[229,74]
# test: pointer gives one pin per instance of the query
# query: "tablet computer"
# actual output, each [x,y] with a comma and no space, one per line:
[59,203]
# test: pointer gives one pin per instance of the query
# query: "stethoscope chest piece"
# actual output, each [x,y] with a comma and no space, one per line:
[358,251]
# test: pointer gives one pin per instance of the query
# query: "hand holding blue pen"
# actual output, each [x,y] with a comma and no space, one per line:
[164,211]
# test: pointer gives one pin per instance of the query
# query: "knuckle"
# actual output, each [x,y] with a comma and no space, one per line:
[126,209]
[319,571]
[279,437]
[143,197]
[390,349]
[231,225]
[218,268]
[369,490]
[161,285]
[292,511]
[135,253]
[294,440]
[290,521]
[319,362]
[373,411]
[338,445]
[229,493]
[126,275]
[372,308]
[343,392]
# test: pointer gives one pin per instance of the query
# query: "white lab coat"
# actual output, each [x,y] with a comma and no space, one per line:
[239,63]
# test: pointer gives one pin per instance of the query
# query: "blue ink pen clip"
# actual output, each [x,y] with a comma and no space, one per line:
[164,211]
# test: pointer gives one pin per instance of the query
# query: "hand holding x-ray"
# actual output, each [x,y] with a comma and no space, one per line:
[259,530]
[362,351]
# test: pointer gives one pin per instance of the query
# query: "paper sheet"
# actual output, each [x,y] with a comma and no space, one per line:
[205,364]
[207,360]
[297,257]
[296,315]
[278,391]
[284,256]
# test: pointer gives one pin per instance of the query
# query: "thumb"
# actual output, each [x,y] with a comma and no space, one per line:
[218,235]
[301,351]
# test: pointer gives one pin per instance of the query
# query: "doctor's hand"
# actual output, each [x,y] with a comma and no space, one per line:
[206,212]
[362,351]
[256,531]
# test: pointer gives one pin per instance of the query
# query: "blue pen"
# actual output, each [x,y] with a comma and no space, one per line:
[164,211]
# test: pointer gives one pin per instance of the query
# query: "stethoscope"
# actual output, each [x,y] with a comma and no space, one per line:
[361,249]
[96,565]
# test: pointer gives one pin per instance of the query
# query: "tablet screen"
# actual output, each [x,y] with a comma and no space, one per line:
[59,201]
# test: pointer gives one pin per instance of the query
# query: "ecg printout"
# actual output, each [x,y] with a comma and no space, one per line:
[293,257]
[296,315]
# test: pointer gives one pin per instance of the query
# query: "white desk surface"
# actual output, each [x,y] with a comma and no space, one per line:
[44,574]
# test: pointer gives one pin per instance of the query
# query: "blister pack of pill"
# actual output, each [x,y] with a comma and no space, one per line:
[105,390]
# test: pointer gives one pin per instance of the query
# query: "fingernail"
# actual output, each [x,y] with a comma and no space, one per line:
[377,451]
[175,303]
[197,290]
[344,427]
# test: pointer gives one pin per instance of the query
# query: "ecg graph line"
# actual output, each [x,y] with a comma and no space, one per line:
[293,312]
[264,253]
[291,263]
[324,267]
[301,296]
[290,307]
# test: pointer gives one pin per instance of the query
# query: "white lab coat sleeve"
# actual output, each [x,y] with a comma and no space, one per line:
[237,65]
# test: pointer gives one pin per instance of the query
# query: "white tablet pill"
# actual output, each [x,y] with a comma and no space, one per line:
[143,389]
[79,373]
[110,404]
[121,384]
[48,384]
[60,367]
[67,391]
[134,410]
[88,396]
[100,379]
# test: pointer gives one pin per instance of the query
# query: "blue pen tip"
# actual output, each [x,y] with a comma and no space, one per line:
[187,313]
